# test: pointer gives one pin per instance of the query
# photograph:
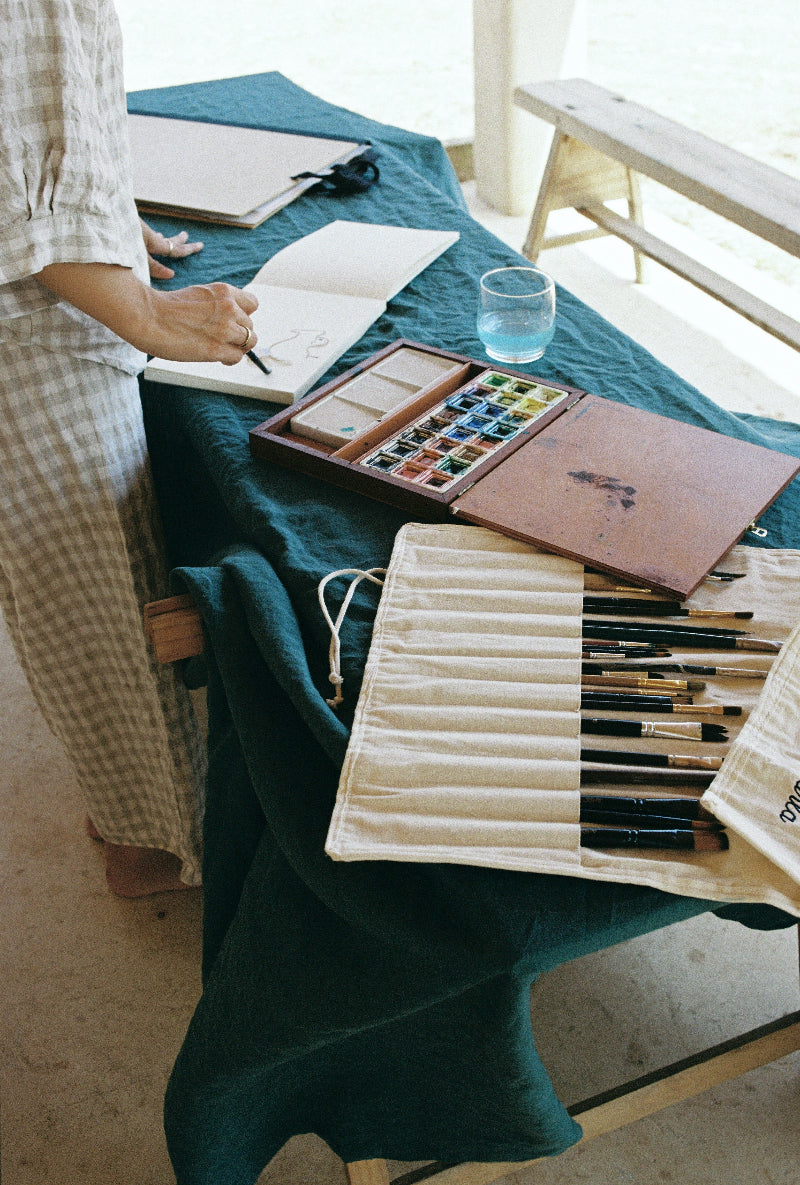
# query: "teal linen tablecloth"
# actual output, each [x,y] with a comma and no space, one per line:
[383,1006]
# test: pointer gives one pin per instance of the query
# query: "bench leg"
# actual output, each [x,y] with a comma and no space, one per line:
[541,211]
[636,214]
[574,174]
[367,1172]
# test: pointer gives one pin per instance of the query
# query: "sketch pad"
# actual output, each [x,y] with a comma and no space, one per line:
[311,308]
[222,173]
[465,746]
[300,334]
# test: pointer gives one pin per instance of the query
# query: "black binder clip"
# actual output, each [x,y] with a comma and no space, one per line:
[352,176]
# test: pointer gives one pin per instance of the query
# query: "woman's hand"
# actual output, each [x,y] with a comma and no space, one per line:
[204,323]
[209,322]
[176,247]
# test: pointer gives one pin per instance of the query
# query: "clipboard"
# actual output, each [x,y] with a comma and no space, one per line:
[222,173]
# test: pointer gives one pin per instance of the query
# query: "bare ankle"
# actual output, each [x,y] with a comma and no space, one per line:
[139,872]
[91,830]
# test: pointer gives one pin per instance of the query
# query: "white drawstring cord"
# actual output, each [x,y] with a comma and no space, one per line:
[334,650]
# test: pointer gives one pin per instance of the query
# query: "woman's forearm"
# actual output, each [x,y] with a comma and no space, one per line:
[204,323]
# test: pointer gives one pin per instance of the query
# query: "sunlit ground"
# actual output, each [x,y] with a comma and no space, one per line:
[729,70]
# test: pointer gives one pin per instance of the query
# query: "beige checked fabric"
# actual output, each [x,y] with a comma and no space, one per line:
[65,188]
[79,555]
[80,548]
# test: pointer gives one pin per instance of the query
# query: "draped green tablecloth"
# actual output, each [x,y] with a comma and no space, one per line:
[382,1006]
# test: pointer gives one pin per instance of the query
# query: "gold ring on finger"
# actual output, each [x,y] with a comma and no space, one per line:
[248,338]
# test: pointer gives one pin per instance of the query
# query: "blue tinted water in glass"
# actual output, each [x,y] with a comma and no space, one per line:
[514,335]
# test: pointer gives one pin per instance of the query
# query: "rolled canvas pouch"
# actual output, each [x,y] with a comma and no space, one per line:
[466,740]
[757,791]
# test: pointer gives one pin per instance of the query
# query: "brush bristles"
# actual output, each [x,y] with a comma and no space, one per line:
[710,841]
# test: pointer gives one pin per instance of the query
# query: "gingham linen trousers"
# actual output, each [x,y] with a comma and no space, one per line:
[80,554]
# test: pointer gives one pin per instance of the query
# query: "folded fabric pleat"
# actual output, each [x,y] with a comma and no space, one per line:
[466,736]
[466,740]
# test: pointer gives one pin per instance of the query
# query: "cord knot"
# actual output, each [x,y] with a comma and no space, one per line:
[334,650]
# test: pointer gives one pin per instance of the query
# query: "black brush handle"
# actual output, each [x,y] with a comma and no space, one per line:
[684,808]
[608,776]
[673,839]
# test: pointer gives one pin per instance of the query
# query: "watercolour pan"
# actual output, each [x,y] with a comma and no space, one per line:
[213,172]
[653,500]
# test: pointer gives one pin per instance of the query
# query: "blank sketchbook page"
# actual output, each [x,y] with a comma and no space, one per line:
[219,168]
[356,259]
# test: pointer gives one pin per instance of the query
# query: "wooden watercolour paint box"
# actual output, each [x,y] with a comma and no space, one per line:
[441,436]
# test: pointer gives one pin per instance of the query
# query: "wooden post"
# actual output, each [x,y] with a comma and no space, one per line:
[518,42]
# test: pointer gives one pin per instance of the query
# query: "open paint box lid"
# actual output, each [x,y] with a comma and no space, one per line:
[439,435]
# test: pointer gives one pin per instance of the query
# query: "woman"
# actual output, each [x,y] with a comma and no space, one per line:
[80,549]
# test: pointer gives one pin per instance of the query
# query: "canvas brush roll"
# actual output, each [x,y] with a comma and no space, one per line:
[465,746]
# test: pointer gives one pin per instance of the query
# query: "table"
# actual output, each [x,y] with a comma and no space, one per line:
[329,987]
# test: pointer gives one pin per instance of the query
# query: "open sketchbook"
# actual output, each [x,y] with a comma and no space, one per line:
[220,173]
[316,297]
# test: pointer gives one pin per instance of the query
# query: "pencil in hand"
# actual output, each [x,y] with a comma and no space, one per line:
[253,356]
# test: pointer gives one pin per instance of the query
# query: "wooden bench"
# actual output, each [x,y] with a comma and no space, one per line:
[603,143]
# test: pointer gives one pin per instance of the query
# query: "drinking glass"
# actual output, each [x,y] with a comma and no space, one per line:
[516,317]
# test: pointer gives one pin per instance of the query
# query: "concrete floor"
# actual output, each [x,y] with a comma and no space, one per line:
[96,992]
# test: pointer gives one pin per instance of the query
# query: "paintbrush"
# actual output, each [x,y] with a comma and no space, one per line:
[621,650]
[706,639]
[654,703]
[672,760]
[614,644]
[657,670]
[650,629]
[678,730]
[643,681]
[648,608]
[632,819]
[615,816]
[614,689]
[726,672]
[253,356]
[600,581]
[675,807]
[684,839]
